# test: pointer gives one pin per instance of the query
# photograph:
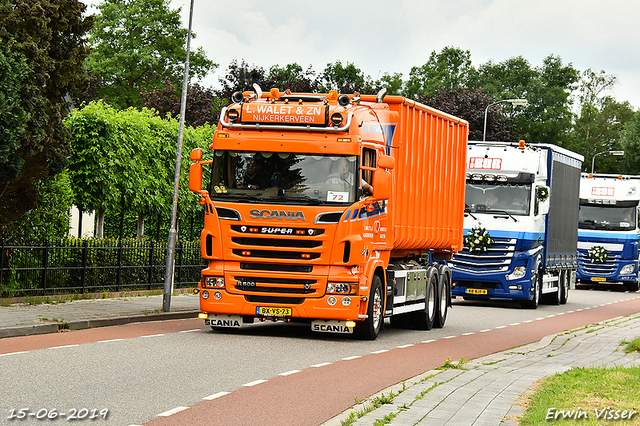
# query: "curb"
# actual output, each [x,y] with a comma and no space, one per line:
[93,323]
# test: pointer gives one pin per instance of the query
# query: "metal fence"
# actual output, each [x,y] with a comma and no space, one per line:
[79,266]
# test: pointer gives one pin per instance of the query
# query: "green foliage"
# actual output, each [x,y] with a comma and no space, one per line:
[138,45]
[13,71]
[50,220]
[630,141]
[345,79]
[125,161]
[449,69]
[47,45]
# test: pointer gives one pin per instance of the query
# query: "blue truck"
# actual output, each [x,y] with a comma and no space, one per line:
[520,224]
[608,230]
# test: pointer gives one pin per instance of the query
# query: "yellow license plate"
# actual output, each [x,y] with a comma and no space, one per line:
[598,279]
[269,311]
[476,291]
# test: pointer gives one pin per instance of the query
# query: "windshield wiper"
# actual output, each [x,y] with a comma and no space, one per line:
[468,210]
[504,212]
[310,200]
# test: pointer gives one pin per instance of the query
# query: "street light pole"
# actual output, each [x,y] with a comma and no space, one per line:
[593,160]
[515,102]
[169,267]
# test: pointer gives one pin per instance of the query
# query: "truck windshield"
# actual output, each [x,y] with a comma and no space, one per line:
[284,177]
[513,199]
[611,218]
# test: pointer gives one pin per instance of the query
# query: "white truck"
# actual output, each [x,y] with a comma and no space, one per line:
[521,223]
[608,230]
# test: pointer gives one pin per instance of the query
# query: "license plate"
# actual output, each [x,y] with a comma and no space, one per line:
[269,311]
[476,291]
[598,279]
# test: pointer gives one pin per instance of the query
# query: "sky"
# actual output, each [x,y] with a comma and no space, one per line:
[380,36]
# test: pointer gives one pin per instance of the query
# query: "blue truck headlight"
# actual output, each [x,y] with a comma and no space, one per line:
[518,272]
[628,269]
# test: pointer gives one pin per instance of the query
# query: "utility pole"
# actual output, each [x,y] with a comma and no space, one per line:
[169,268]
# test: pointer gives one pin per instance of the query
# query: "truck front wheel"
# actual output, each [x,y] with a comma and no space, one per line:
[533,303]
[369,328]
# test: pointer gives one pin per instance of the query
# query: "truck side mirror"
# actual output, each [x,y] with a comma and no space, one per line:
[381,184]
[544,207]
[196,154]
[195,171]
[386,162]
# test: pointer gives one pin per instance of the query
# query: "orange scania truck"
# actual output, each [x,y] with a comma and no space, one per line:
[335,210]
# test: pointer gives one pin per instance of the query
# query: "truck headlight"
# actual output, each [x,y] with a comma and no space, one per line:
[628,269]
[342,288]
[518,272]
[211,282]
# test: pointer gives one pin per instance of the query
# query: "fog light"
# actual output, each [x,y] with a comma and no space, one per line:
[332,300]
[346,301]
[350,324]
[202,315]
[205,294]
[217,295]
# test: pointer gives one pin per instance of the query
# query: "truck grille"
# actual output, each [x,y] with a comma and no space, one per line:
[608,267]
[268,242]
[497,258]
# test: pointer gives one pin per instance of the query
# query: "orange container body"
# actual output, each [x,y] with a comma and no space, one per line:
[429,177]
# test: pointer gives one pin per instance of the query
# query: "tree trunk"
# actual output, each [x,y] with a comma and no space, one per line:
[100,224]
[140,227]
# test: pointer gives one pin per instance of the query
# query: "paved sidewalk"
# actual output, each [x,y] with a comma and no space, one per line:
[22,320]
[486,390]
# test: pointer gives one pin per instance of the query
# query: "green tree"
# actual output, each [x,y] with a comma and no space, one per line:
[630,142]
[470,106]
[240,78]
[13,71]
[345,79]
[598,125]
[291,77]
[547,88]
[46,39]
[449,69]
[138,45]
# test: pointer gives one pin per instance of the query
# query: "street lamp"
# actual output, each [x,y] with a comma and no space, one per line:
[593,160]
[515,102]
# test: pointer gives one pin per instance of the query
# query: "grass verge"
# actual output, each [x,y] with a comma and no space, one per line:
[586,396]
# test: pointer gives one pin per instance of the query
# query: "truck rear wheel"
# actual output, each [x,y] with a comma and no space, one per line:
[424,319]
[369,328]
[443,296]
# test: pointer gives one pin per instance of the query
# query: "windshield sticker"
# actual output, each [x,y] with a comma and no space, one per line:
[337,196]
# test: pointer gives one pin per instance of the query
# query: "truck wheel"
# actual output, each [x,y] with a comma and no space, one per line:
[566,281]
[442,296]
[533,304]
[423,320]
[369,328]
[633,286]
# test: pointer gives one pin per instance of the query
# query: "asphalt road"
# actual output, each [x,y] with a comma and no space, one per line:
[140,371]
